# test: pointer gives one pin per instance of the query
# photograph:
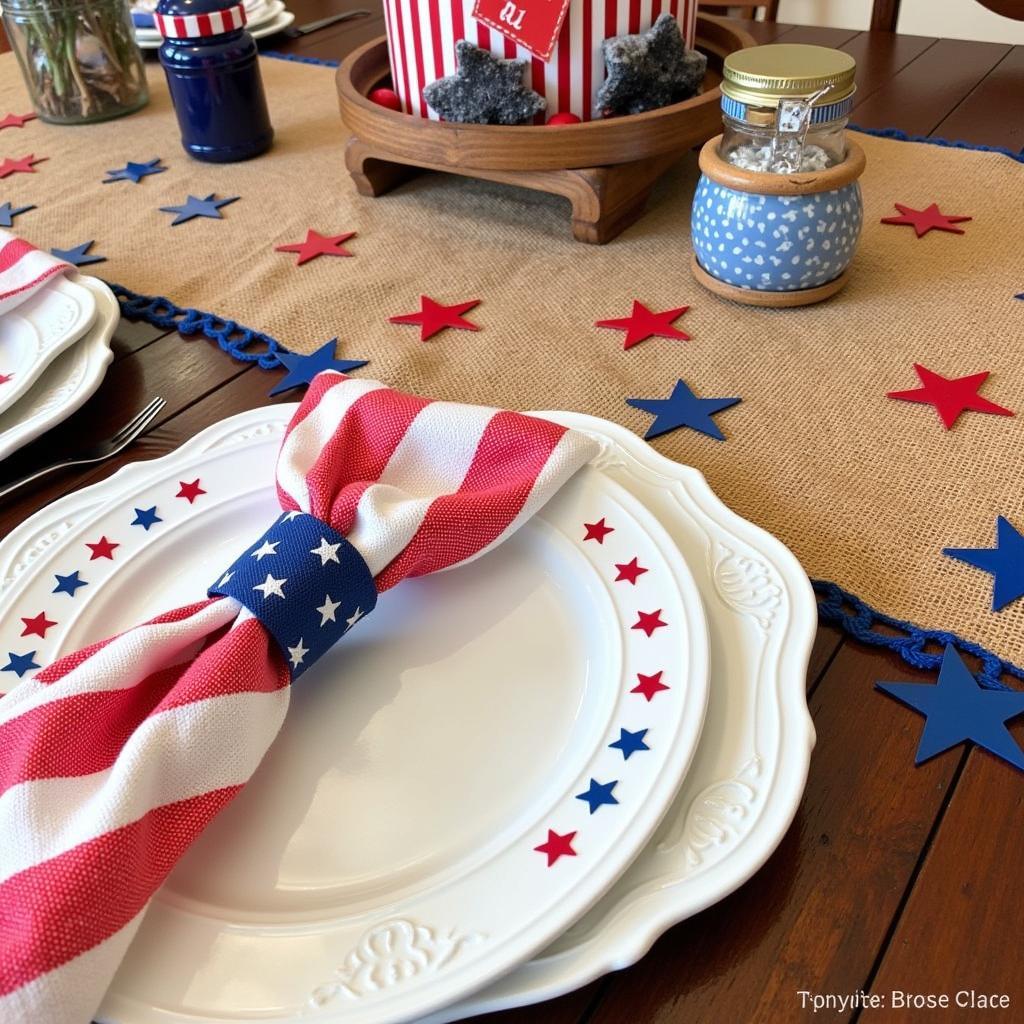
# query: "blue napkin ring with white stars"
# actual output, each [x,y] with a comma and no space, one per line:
[305,583]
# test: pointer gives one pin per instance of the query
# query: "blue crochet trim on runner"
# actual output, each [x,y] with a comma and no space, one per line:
[921,648]
[299,59]
[241,343]
[901,136]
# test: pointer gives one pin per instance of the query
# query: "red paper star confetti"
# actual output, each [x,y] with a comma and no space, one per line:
[950,395]
[629,571]
[5,377]
[557,846]
[318,245]
[642,324]
[928,219]
[16,120]
[37,625]
[103,548]
[649,685]
[23,165]
[434,317]
[190,491]
[649,621]
[598,531]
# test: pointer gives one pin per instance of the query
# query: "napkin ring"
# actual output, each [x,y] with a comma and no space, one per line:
[305,583]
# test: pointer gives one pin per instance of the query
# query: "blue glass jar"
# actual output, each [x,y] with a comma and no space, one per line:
[210,61]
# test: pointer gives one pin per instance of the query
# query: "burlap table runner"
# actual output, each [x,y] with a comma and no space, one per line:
[867,491]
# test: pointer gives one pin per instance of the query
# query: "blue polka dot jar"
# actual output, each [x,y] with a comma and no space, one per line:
[773,239]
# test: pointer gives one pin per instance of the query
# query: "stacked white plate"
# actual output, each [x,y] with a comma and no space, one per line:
[263,18]
[54,352]
[383,864]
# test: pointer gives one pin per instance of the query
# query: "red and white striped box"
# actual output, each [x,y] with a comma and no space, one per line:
[422,35]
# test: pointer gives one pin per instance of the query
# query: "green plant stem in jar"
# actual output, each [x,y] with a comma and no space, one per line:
[79,58]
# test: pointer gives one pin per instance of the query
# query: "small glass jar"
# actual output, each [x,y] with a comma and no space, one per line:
[785,107]
[79,58]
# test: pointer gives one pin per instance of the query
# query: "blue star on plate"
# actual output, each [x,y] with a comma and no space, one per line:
[77,256]
[195,207]
[302,369]
[1005,562]
[134,172]
[20,663]
[956,709]
[69,584]
[682,409]
[630,742]
[600,793]
[146,517]
[8,213]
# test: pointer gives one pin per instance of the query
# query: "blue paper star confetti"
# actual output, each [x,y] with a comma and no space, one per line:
[957,709]
[20,663]
[1005,562]
[8,213]
[599,794]
[302,369]
[195,207]
[630,742]
[134,172]
[78,256]
[146,517]
[69,584]
[682,409]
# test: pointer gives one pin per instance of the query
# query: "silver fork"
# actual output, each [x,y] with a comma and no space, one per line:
[99,452]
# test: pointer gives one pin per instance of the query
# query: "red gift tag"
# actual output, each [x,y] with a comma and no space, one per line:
[533,24]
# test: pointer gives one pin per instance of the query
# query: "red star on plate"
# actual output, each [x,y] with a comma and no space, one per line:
[649,621]
[190,491]
[434,317]
[649,685]
[557,846]
[629,571]
[318,245]
[950,395]
[598,531]
[103,548]
[5,377]
[643,323]
[16,120]
[23,165]
[37,625]
[928,219]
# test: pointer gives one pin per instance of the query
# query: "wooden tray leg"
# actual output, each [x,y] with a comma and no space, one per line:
[606,200]
[372,175]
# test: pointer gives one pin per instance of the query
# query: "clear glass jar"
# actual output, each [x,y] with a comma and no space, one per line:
[785,107]
[78,57]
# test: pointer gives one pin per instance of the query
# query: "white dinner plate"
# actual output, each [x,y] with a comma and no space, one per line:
[69,381]
[382,862]
[35,333]
[745,783]
[272,18]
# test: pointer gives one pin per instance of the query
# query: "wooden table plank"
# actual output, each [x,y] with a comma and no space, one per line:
[992,109]
[880,56]
[920,96]
[816,916]
[959,925]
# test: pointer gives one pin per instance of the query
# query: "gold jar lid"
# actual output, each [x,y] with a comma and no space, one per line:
[763,75]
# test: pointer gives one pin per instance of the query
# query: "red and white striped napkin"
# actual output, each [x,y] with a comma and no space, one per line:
[24,269]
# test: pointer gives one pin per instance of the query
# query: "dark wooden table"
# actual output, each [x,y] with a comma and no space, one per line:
[891,877]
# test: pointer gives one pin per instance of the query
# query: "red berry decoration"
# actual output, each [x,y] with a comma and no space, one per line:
[563,118]
[386,98]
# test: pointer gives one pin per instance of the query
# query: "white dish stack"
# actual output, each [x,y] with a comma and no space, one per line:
[54,353]
[263,18]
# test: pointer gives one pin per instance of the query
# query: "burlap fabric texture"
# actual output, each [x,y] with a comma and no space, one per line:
[866,490]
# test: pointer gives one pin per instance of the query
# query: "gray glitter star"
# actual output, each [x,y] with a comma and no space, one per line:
[484,90]
[649,70]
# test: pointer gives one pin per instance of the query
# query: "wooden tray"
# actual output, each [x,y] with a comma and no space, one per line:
[605,168]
